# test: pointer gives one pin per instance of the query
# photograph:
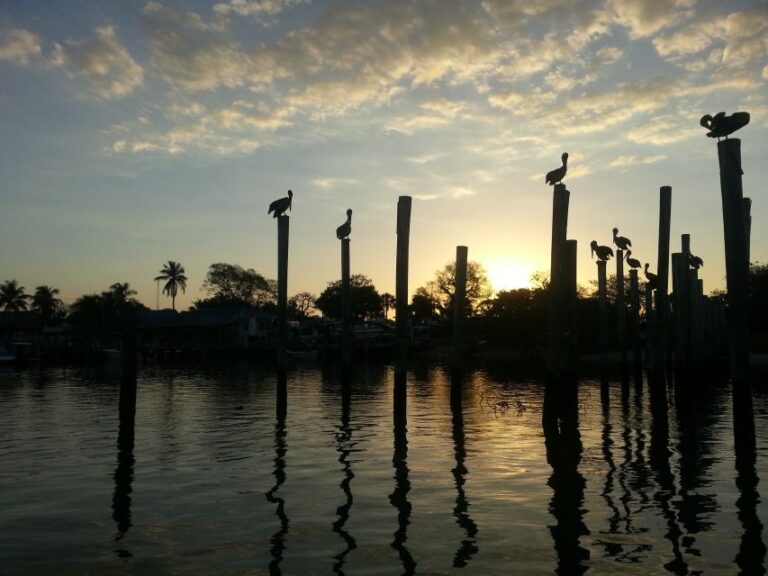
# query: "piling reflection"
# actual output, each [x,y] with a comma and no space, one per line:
[468,546]
[277,541]
[399,498]
[564,449]
[344,446]
[123,476]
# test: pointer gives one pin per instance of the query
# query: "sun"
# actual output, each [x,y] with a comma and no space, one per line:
[508,275]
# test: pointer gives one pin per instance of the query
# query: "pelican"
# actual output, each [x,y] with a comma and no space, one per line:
[721,125]
[603,252]
[345,229]
[695,262]
[633,262]
[651,277]
[620,241]
[558,174]
[280,205]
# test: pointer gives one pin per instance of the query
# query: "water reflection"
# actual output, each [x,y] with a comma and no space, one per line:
[123,476]
[399,498]
[468,546]
[277,541]
[344,446]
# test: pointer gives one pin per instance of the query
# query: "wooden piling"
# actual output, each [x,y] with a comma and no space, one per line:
[634,316]
[685,245]
[570,289]
[129,358]
[282,287]
[681,319]
[402,326]
[603,304]
[459,299]
[748,225]
[621,311]
[346,304]
[557,297]
[661,329]
[736,266]
[650,332]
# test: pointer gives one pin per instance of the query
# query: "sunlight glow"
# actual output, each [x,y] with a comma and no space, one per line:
[508,274]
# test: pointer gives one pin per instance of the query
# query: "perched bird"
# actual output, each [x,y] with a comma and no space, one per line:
[653,280]
[633,262]
[721,125]
[280,205]
[603,252]
[621,241]
[345,229]
[695,261]
[558,174]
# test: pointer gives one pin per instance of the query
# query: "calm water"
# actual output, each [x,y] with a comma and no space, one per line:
[216,482]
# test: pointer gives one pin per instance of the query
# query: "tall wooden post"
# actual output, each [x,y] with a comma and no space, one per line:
[459,309]
[661,333]
[748,225]
[282,287]
[346,304]
[621,311]
[682,317]
[570,288]
[557,326]
[650,331]
[129,353]
[634,314]
[602,292]
[402,326]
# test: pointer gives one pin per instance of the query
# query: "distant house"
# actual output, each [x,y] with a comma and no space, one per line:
[19,328]
[225,328]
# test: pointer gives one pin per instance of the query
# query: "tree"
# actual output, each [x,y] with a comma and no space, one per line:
[93,313]
[300,305]
[366,302]
[441,290]
[173,274]
[45,302]
[387,302]
[423,307]
[233,284]
[12,296]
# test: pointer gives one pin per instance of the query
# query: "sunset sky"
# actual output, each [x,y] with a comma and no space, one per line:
[138,132]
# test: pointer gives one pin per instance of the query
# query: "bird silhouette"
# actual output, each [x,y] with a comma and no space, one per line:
[695,261]
[603,252]
[721,125]
[558,174]
[652,279]
[621,241]
[345,229]
[280,205]
[633,262]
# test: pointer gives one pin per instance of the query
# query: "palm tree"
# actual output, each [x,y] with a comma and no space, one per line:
[12,297]
[173,274]
[387,302]
[45,302]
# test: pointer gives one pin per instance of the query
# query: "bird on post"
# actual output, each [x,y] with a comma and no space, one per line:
[621,241]
[345,229]
[695,262]
[603,252]
[721,125]
[633,262]
[653,280]
[558,174]
[280,205]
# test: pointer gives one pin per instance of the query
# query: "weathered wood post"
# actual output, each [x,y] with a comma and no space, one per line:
[459,298]
[129,358]
[650,331]
[634,315]
[621,311]
[682,315]
[570,289]
[121,498]
[346,305]
[661,332]
[602,292]
[748,225]
[282,287]
[557,320]
[402,320]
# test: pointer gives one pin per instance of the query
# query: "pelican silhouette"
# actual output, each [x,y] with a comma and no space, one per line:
[603,252]
[621,241]
[695,262]
[721,125]
[633,262]
[280,205]
[345,229]
[558,174]
[653,280]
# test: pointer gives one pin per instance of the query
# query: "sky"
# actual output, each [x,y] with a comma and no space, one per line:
[138,132]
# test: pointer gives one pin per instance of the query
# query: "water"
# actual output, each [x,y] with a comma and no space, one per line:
[215,482]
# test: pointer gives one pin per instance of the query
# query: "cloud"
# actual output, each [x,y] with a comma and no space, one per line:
[331,183]
[644,18]
[255,8]
[664,129]
[630,160]
[461,191]
[105,65]
[19,46]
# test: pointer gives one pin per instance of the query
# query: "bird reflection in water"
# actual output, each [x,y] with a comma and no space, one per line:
[468,546]
[399,498]
[277,541]
[344,446]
